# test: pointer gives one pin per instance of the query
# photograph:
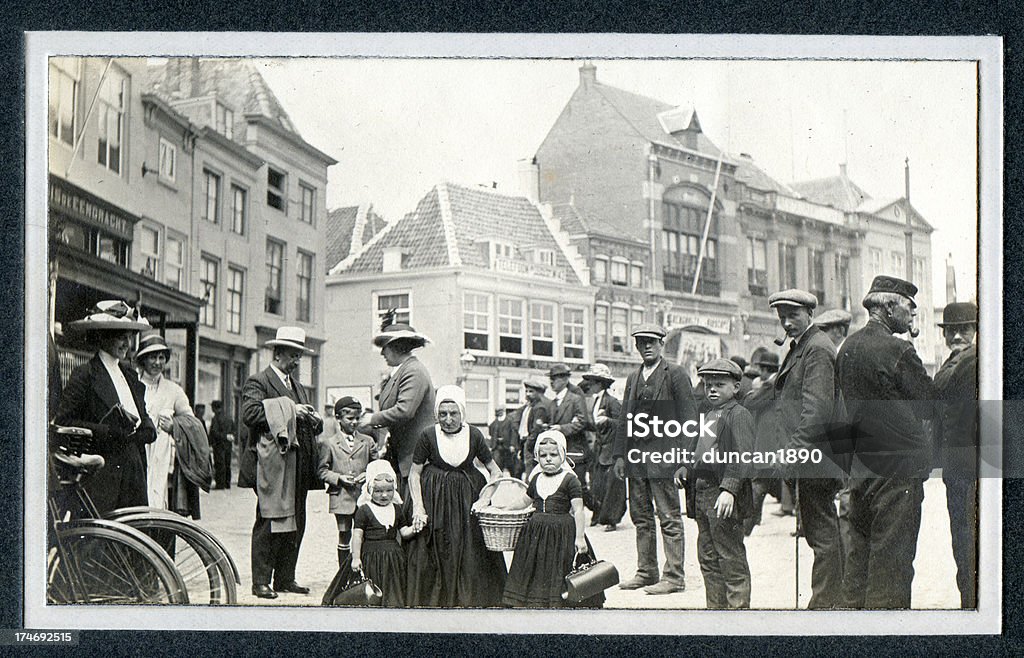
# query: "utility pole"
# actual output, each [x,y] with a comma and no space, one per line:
[910,226]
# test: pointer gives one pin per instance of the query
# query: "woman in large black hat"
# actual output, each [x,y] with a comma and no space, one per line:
[106,396]
[406,398]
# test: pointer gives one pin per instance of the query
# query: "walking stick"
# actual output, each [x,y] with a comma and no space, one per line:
[796,543]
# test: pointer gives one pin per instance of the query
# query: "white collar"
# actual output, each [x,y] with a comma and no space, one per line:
[109,360]
[561,394]
[282,375]
[151,381]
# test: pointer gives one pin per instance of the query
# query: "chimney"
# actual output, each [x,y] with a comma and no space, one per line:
[588,74]
[950,280]
[529,179]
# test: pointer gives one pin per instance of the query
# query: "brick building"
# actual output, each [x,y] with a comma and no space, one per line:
[632,179]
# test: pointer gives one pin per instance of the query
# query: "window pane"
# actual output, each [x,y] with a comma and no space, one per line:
[238,209]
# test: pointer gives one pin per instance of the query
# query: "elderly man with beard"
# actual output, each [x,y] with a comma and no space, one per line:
[888,395]
[956,383]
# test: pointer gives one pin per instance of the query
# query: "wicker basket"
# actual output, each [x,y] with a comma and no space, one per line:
[501,528]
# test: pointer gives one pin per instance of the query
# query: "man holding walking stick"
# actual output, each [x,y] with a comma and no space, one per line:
[805,396]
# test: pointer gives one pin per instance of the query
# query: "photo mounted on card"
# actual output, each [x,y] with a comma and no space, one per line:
[460,329]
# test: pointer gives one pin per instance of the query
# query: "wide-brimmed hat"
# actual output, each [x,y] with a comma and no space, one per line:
[793,297]
[397,331]
[959,313]
[151,343]
[599,372]
[110,315]
[290,337]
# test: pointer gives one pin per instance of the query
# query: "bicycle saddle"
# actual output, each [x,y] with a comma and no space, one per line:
[79,464]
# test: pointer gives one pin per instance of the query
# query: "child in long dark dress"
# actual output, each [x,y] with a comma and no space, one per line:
[553,536]
[377,527]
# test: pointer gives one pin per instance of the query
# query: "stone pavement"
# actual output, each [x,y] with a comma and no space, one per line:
[229,514]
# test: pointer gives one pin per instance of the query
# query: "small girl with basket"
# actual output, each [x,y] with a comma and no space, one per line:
[553,536]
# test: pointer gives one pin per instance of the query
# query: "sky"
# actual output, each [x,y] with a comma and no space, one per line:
[399,126]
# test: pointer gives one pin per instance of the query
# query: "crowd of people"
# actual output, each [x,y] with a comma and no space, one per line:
[403,481]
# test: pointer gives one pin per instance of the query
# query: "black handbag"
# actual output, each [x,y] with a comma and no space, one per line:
[353,589]
[589,579]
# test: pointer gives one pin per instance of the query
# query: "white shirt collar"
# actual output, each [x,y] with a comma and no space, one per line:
[108,360]
[282,374]
[560,396]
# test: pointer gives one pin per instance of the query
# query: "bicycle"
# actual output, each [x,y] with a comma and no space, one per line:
[204,564]
[94,560]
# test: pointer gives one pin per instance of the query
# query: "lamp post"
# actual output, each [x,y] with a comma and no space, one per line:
[466,363]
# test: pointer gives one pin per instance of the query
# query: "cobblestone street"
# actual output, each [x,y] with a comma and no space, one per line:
[770,550]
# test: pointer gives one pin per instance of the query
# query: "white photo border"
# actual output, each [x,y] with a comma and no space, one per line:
[987,51]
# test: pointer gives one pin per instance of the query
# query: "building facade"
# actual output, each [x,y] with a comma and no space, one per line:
[635,178]
[191,193]
[491,279]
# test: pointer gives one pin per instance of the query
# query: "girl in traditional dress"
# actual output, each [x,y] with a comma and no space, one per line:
[379,523]
[554,534]
[449,565]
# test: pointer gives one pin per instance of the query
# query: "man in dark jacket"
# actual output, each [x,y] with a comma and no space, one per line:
[805,394]
[956,384]
[568,414]
[222,437]
[530,420]
[664,390]
[106,397]
[888,394]
[276,542]
[603,412]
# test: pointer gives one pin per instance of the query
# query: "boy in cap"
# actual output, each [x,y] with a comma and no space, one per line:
[720,488]
[342,467]
[531,419]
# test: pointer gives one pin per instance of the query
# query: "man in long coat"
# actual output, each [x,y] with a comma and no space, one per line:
[956,384]
[888,395]
[805,395]
[276,540]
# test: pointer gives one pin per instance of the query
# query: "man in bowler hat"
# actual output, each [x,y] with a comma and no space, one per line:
[956,384]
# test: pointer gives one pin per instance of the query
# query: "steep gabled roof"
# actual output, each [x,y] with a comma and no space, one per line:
[642,113]
[236,82]
[338,228]
[448,226]
[837,191]
[575,221]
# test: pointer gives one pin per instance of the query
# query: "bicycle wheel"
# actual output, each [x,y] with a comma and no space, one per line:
[101,562]
[204,567]
[227,566]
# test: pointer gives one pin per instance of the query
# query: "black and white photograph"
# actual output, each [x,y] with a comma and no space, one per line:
[376,329]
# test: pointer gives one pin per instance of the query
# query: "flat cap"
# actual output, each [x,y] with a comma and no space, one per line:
[649,330]
[901,287]
[833,317]
[559,369]
[793,297]
[345,402]
[954,314]
[725,367]
[536,384]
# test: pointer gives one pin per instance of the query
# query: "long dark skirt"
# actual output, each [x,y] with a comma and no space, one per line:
[611,493]
[543,558]
[449,566]
[384,564]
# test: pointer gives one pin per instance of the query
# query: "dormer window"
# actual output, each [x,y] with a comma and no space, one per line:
[225,121]
[394,259]
[544,257]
